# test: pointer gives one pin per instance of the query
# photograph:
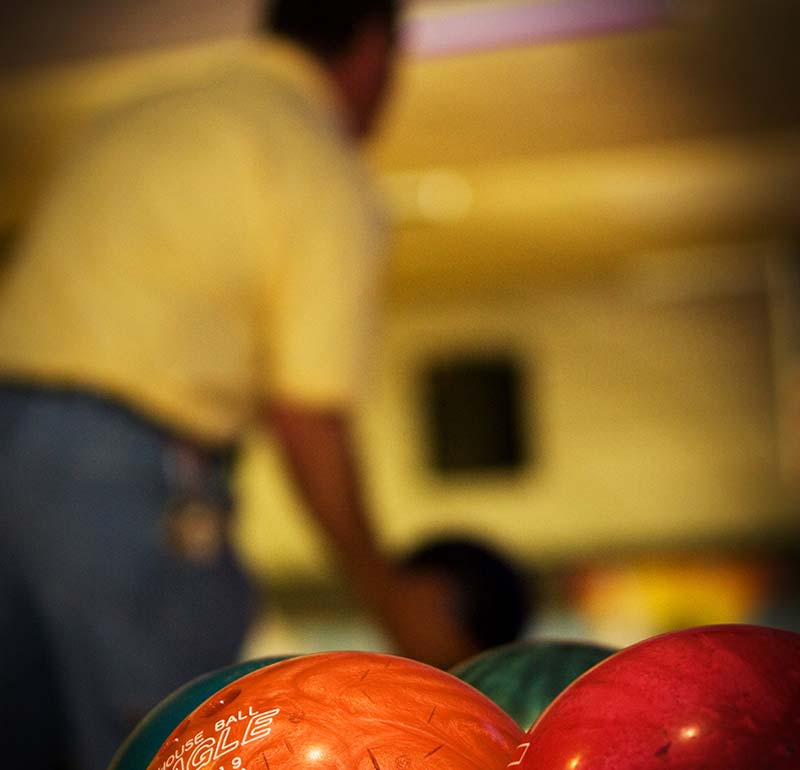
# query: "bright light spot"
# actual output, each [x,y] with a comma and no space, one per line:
[444,196]
[692,731]
[574,762]
[314,754]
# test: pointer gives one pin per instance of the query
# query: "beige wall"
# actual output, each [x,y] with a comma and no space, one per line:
[650,411]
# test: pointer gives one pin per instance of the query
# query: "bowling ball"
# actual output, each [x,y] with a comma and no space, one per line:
[343,711]
[524,677]
[710,698]
[148,736]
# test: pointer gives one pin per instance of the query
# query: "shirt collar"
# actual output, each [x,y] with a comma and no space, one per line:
[297,67]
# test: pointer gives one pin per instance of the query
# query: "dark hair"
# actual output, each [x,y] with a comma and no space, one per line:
[495,600]
[326,27]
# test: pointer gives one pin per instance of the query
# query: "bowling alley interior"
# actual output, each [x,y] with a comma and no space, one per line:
[588,355]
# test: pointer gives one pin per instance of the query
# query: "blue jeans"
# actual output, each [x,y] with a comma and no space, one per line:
[103,612]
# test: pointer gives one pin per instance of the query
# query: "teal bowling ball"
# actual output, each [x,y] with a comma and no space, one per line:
[143,743]
[523,678]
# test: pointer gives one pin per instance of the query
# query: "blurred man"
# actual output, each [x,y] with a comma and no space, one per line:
[205,260]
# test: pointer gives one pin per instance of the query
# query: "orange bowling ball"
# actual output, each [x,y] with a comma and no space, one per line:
[343,711]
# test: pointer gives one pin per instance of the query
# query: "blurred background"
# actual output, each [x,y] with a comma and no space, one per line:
[590,356]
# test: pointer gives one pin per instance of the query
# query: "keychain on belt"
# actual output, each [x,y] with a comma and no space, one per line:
[196,517]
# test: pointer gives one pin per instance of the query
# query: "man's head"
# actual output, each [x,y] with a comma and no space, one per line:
[353,39]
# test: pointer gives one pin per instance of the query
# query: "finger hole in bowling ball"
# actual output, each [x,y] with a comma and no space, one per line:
[220,701]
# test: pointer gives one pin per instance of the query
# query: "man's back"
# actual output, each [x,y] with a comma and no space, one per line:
[161,265]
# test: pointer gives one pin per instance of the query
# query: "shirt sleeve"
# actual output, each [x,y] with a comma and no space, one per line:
[327,291]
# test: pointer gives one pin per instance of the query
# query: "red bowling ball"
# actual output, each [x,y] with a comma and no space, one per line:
[343,711]
[711,698]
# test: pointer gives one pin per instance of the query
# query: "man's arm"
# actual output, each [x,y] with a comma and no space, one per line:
[415,609]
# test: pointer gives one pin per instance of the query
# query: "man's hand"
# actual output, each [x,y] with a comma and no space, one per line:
[417,609]
[422,616]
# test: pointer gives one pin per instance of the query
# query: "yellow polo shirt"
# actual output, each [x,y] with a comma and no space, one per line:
[202,252]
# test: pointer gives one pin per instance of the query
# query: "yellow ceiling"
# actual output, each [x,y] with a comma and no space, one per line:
[529,162]
[537,163]
[693,74]
[570,216]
